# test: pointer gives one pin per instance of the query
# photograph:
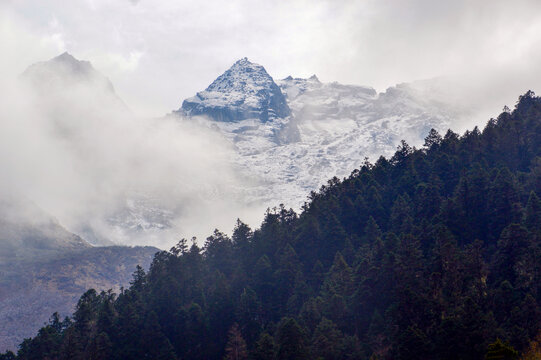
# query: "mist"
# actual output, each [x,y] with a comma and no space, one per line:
[176,48]
[95,163]
[77,151]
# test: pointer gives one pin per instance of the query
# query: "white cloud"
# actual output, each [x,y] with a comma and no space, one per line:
[379,43]
[114,63]
[158,52]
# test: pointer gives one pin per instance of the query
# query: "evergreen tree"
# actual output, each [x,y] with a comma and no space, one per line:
[291,341]
[153,344]
[432,140]
[327,341]
[236,346]
[100,348]
[532,218]
[264,348]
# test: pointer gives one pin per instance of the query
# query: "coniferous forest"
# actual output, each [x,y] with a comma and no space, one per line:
[434,253]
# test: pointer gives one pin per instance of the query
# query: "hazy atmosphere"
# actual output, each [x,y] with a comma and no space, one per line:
[160,52]
[157,53]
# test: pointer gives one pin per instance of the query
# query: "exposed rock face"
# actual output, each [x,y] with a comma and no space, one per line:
[32,290]
[27,232]
[245,91]
[45,268]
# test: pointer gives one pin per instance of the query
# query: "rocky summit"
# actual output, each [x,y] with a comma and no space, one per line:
[245,91]
[330,128]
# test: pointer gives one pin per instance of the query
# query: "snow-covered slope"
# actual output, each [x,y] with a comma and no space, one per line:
[334,126]
[244,91]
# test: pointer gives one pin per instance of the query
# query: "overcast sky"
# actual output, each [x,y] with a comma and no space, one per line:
[158,52]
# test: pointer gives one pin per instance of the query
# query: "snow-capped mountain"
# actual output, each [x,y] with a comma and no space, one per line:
[245,91]
[278,140]
[332,128]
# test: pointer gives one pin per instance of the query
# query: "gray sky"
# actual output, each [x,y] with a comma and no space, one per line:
[158,52]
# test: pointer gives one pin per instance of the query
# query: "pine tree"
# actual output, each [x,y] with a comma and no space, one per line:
[532,218]
[501,197]
[401,215]
[432,140]
[153,344]
[236,346]
[339,279]
[138,280]
[512,247]
[242,237]
[327,341]
[264,348]
[100,348]
[250,314]
[377,338]
[291,341]
[180,248]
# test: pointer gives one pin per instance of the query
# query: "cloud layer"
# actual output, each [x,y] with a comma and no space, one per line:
[159,52]
[76,151]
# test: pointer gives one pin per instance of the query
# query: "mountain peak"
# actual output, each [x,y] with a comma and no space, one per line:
[64,65]
[312,78]
[65,74]
[243,61]
[244,76]
[65,56]
[244,91]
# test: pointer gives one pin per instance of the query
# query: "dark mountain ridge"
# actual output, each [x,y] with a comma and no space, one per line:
[44,268]
[32,289]
[28,232]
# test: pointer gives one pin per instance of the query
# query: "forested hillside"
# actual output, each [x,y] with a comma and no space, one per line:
[434,253]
